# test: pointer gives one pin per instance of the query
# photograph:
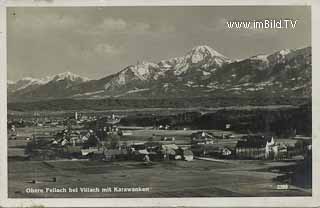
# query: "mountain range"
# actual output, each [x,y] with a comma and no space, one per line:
[200,72]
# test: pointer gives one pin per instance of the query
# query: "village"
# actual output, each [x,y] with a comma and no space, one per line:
[83,137]
[105,141]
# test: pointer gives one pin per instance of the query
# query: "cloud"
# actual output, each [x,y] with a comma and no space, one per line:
[104,48]
[111,25]
[40,22]
[45,22]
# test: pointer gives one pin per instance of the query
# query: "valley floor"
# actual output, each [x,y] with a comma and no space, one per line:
[197,178]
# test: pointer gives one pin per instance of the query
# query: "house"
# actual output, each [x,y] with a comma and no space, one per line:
[85,138]
[64,142]
[138,151]
[226,151]
[187,155]
[169,151]
[282,151]
[256,147]
[201,138]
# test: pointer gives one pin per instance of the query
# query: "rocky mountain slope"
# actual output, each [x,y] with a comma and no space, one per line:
[200,72]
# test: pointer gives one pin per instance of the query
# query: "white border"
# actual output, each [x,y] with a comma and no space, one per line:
[163,202]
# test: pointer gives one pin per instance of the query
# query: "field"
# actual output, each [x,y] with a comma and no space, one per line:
[197,178]
[144,104]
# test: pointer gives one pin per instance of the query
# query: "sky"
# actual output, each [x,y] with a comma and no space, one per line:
[98,41]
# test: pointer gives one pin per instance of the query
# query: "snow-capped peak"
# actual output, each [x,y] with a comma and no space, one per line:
[276,55]
[68,75]
[30,79]
[203,52]
[141,70]
[261,57]
[145,64]
[204,49]
[26,82]
[201,56]
[284,52]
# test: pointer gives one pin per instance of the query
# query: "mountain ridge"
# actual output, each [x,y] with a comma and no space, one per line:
[201,71]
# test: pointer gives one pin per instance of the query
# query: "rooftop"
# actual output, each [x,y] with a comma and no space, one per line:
[253,141]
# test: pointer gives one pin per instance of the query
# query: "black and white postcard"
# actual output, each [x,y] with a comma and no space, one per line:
[158,104]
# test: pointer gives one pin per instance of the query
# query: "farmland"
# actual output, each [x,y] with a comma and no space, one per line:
[166,179]
[197,178]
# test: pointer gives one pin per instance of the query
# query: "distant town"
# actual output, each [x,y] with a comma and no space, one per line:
[83,136]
